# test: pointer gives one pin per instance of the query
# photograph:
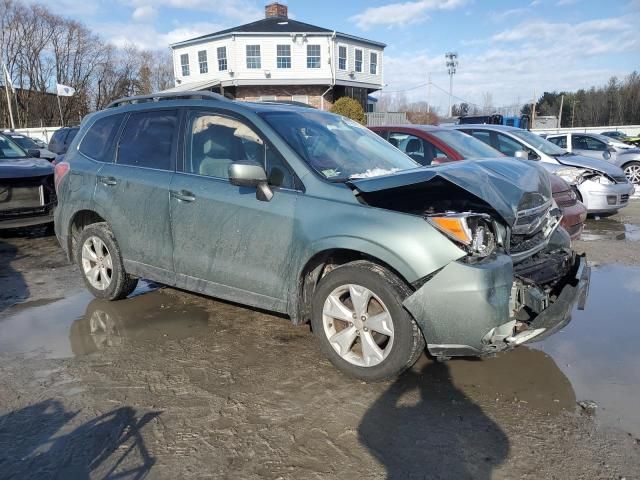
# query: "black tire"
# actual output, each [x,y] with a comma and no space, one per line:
[408,342]
[122,284]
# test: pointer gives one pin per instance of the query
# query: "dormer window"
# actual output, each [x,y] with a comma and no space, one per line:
[253,56]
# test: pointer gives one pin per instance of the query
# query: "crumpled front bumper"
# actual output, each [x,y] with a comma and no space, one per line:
[472,309]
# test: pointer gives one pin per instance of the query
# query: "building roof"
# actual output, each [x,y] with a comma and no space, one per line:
[193,86]
[274,25]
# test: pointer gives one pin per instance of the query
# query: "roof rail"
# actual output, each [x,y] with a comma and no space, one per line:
[156,97]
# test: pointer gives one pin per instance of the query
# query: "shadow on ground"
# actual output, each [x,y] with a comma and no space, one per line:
[424,427]
[36,439]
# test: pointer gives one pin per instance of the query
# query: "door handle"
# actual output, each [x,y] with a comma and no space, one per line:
[183,195]
[109,181]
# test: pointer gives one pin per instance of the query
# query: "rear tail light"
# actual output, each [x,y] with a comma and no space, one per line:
[59,172]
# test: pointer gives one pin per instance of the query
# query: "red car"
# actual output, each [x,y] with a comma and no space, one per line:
[431,145]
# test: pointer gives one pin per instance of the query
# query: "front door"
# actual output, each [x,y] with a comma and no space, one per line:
[135,190]
[240,246]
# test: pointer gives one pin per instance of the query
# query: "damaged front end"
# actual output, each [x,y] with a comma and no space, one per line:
[519,279]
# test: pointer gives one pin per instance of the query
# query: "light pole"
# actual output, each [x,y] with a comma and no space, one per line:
[452,65]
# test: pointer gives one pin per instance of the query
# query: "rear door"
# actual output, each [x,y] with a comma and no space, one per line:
[223,234]
[135,190]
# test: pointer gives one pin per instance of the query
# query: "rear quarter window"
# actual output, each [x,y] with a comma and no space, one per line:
[98,140]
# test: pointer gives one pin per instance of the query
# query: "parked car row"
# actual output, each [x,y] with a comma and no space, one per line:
[429,145]
[307,213]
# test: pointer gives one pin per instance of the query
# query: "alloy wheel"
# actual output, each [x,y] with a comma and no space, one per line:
[633,173]
[97,263]
[358,325]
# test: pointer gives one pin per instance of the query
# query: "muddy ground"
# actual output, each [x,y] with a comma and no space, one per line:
[169,384]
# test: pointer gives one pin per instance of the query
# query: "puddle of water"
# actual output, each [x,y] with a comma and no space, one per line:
[81,324]
[524,375]
[609,229]
[598,350]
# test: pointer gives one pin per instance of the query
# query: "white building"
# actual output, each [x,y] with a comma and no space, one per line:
[277,58]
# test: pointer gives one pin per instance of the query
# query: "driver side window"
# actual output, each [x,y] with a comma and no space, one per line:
[216,141]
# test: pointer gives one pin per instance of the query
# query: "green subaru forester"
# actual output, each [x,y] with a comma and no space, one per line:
[303,212]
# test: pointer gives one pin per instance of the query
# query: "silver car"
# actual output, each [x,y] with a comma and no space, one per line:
[602,187]
[602,147]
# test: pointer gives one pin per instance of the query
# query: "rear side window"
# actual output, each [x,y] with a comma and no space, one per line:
[147,139]
[96,143]
[560,141]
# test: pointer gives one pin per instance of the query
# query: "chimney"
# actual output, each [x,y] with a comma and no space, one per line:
[276,10]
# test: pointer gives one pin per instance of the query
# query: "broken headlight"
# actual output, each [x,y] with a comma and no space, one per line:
[475,232]
[571,174]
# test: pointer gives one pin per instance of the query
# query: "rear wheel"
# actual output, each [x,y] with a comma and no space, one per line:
[632,171]
[361,324]
[100,261]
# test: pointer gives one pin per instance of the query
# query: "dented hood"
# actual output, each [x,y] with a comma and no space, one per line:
[507,185]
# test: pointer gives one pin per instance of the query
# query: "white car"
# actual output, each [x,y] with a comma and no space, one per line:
[602,187]
[598,146]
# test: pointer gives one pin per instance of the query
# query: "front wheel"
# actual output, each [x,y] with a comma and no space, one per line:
[632,171]
[100,261]
[361,324]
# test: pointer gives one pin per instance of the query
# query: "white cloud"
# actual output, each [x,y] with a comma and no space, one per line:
[536,55]
[147,37]
[145,13]
[400,14]
[238,10]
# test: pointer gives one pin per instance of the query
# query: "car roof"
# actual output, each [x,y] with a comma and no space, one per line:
[411,126]
[200,98]
[486,126]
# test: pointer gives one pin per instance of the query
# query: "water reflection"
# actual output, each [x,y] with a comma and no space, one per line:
[597,351]
[609,228]
[81,324]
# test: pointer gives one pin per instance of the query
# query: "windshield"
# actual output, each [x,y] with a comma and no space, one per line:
[466,145]
[336,147]
[9,149]
[24,142]
[539,143]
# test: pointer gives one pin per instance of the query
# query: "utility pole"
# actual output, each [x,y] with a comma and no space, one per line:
[452,65]
[533,109]
[560,112]
[429,95]
[7,85]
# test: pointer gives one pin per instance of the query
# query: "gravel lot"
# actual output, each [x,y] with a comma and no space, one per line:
[169,384]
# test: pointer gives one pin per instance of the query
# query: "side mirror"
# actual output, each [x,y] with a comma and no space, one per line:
[533,155]
[606,154]
[521,154]
[251,174]
[32,152]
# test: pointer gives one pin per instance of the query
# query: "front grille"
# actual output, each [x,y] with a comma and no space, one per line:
[523,243]
[21,196]
[624,198]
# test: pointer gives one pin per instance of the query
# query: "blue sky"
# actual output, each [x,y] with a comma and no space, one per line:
[507,49]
